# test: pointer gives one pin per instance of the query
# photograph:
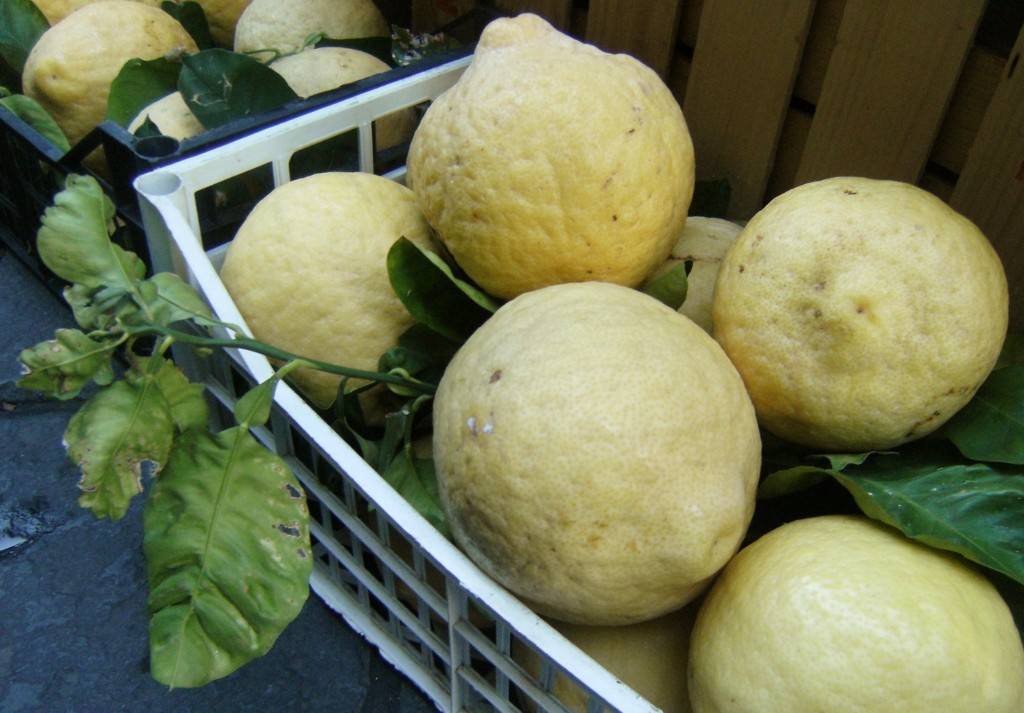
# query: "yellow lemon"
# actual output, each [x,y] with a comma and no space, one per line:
[171,115]
[222,16]
[862,313]
[71,66]
[307,270]
[284,25]
[649,657]
[702,243]
[596,453]
[324,68]
[552,161]
[839,613]
[57,10]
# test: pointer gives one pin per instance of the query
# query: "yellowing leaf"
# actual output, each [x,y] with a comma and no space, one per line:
[124,431]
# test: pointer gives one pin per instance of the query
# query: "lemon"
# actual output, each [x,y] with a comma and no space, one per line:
[839,613]
[862,313]
[703,243]
[171,115]
[57,10]
[71,66]
[649,657]
[552,161]
[285,25]
[324,68]
[596,453]
[222,16]
[307,270]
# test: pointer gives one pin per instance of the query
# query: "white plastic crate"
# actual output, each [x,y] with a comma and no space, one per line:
[394,578]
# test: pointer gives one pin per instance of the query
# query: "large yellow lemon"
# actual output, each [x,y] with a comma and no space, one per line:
[552,161]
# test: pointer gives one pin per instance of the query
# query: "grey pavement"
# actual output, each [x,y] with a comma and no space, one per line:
[73,591]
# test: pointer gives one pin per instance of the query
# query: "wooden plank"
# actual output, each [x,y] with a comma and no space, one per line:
[990,190]
[821,40]
[889,80]
[792,140]
[739,87]
[974,92]
[647,31]
[557,12]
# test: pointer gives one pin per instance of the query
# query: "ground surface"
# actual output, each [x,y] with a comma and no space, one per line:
[73,592]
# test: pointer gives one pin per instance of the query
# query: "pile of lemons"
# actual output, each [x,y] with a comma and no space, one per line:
[70,69]
[597,451]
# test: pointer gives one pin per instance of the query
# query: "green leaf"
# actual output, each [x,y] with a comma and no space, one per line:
[124,431]
[97,308]
[415,479]
[21,24]
[433,294]
[975,509]
[1012,352]
[74,239]
[64,365]
[791,480]
[990,427]
[711,198]
[172,300]
[420,352]
[670,286]
[193,18]
[228,557]
[140,83]
[32,113]
[253,408]
[220,86]
[185,400]
[147,129]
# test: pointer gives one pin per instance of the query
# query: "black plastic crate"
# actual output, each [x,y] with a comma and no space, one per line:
[32,168]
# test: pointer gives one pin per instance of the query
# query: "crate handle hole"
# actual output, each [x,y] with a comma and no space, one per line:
[158,183]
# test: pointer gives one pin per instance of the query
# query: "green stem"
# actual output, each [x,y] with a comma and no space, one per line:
[271,352]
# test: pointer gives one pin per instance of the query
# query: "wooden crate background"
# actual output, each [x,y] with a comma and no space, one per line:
[780,93]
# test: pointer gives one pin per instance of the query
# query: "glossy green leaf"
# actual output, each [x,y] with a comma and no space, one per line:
[228,556]
[74,239]
[791,480]
[434,296]
[61,367]
[1012,352]
[32,113]
[990,427]
[670,286]
[193,18]
[21,24]
[420,352]
[788,472]
[253,408]
[975,509]
[415,479]
[711,198]
[220,86]
[124,431]
[140,83]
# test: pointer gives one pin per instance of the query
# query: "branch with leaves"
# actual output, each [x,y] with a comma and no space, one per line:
[226,524]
